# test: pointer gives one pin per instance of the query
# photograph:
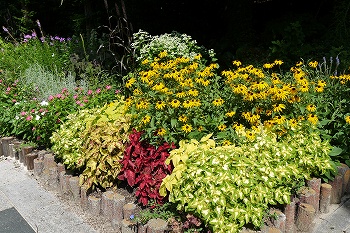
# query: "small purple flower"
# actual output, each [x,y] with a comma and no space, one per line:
[33,34]
[337,61]
[42,39]
[38,22]
[132,217]
[5,29]
[27,37]
[324,60]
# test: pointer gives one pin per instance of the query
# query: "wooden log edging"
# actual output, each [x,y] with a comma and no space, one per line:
[298,216]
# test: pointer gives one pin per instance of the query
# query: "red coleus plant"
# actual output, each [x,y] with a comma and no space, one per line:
[143,166]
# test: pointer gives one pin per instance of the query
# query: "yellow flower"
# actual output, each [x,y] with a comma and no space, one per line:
[193,92]
[130,82]
[238,127]
[175,103]
[237,63]
[200,128]
[144,62]
[186,128]
[146,119]
[163,54]
[268,65]
[250,135]
[347,119]
[230,114]
[313,64]
[278,62]
[293,122]
[160,105]
[222,127]
[278,107]
[304,88]
[198,56]
[312,118]
[321,83]
[218,102]
[279,119]
[319,88]
[181,94]
[137,92]
[226,143]
[299,63]
[142,104]
[311,108]
[161,132]
[183,118]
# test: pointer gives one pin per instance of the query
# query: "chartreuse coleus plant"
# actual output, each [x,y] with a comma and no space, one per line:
[96,144]
[67,141]
[230,186]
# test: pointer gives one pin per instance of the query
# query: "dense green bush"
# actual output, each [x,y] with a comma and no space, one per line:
[231,186]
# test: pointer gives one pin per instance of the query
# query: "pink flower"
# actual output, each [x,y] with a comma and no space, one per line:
[33,128]
[64,90]
[29,118]
[32,111]
[58,95]
[89,92]
[38,138]
[8,89]
[78,102]
[117,91]
[50,98]
[14,101]
[86,100]
[98,90]
[75,96]
[0,80]
[81,105]
[108,87]
[41,110]
[23,113]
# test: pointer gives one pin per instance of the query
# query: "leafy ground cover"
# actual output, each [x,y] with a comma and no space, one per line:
[179,122]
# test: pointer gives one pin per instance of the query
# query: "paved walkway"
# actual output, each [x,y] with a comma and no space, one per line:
[25,207]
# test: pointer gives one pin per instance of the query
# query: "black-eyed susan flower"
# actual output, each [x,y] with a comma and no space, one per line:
[130,82]
[144,62]
[347,119]
[312,118]
[268,65]
[200,128]
[313,64]
[311,107]
[181,94]
[218,102]
[197,57]
[321,83]
[146,119]
[163,54]
[278,107]
[222,127]
[226,143]
[183,118]
[250,135]
[193,92]
[299,63]
[230,113]
[293,122]
[160,105]
[304,88]
[279,119]
[237,63]
[161,132]
[187,128]
[175,103]
[142,104]
[278,62]
[319,88]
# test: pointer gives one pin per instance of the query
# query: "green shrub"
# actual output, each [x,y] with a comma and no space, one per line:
[230,186]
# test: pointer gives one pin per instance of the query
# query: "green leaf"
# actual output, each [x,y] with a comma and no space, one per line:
[335,151]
